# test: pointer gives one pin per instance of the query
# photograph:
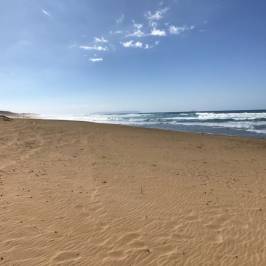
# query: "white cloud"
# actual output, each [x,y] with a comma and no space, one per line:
[157,15]
[94,47]
[138,44]
[145,35]
[116,32]
[153,24]
[132,44]
[127,44]
[46,13]
[148,46]
[158,32]
[96,59]
[100,40]
[138,26]
[137,31]
[173,29]
[178,30]
[120,19]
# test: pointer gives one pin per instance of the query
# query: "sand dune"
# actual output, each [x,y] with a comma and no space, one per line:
[76,193]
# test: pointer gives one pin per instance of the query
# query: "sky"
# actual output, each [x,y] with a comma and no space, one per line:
[84,56]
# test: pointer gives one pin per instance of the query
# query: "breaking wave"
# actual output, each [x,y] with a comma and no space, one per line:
[228,122]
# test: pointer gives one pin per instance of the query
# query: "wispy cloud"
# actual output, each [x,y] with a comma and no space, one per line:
[178,30]
[98,48]
[150,46]
[137,44]
[46,13]
[96,59]
[120,19]
[158,32]
[144,34]
[137,32]
[100,40]
[116,32]
[132,44]
[156,15]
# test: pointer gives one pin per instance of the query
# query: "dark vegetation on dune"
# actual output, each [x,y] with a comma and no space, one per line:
[7,115]
[5,118]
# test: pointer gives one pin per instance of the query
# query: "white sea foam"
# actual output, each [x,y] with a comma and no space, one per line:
[244,121]
[234,116]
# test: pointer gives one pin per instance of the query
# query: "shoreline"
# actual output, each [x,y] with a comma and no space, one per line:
[82,193]
[240,123]
[251,136]
[246,136]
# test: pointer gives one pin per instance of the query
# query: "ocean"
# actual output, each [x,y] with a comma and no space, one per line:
[251,123]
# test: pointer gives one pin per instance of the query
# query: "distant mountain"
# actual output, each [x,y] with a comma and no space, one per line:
[7,113]
[14,115]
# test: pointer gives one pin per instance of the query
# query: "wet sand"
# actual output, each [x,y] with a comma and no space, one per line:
[74,193]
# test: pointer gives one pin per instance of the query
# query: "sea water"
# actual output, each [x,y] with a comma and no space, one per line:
[243,123]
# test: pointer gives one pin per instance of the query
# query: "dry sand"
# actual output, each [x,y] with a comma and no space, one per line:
[75,193]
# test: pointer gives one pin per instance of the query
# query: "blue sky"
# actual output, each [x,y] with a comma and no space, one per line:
[69,56]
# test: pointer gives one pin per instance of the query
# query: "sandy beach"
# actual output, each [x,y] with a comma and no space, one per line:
[76,193]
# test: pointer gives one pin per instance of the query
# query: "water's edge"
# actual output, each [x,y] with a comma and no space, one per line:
[249,123]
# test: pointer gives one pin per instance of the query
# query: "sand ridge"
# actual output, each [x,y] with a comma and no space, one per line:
[75,193]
